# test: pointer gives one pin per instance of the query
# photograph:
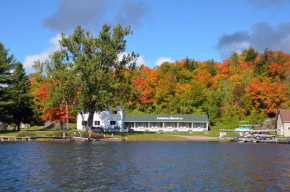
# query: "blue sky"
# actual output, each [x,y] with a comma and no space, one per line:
[163,30]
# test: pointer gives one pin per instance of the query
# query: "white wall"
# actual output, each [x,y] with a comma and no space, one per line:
[105,118]
[279,125]
[79,121]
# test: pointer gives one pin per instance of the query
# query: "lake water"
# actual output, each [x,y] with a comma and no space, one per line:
[144,166]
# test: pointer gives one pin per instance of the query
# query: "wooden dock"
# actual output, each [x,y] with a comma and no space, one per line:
[11,138]
[252,140]
[22,139]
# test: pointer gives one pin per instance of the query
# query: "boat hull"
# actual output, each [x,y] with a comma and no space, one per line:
[81,139]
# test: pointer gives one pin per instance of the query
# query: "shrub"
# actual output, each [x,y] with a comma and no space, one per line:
[26,134]
[54,133]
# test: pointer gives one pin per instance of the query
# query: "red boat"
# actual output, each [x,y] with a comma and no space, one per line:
[81,139]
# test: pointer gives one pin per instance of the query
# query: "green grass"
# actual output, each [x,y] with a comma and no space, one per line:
[148,137]
[50,133]
[164,136]
[8,133]
[137,136]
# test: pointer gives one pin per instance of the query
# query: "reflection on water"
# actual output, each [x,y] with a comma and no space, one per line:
[144,166]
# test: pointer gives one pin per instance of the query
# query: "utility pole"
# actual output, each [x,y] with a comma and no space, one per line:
[66,115]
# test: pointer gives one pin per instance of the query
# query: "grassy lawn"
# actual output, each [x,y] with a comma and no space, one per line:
[168,136]
[8,133]
[136,136]
[148,136]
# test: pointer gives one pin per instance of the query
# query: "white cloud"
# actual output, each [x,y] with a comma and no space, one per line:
[140,60]
[44,56]
[162,60]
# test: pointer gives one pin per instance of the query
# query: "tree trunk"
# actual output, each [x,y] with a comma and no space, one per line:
[18,126]
[61,124]
[90,121]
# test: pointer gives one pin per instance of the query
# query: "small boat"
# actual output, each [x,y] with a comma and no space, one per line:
[111,139]
[81,139]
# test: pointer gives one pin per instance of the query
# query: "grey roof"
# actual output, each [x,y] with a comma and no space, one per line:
[165,118]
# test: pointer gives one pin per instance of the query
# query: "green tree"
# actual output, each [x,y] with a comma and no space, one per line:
[250,54]
[212,105]
[234,59]
[210,66]
[6,65]
[190,64]
[261,67]
[21,100]
[97,69]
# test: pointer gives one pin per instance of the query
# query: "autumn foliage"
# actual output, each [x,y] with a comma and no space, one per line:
[57,113]
[249,85]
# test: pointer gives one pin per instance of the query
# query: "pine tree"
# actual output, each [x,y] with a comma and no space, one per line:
[21,100]
[6,65]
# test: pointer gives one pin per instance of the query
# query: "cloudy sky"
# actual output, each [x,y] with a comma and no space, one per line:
[163,30]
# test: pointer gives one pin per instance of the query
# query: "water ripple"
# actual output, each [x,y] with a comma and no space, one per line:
[144,166]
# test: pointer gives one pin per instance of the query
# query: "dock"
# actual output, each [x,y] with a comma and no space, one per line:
[11,138]
[252,140]
[54,139]
[22,139]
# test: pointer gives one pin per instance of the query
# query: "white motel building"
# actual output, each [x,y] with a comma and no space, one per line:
[118,121]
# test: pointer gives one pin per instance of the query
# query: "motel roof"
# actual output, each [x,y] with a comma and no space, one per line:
[165,118]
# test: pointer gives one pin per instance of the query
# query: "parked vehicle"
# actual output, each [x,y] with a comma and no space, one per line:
[263,135]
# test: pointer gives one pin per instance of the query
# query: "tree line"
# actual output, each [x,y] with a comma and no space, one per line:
[93,74]
[15,100]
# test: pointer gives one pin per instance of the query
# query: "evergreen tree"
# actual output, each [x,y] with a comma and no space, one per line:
[210,67]
[21,100]
[6,65]
[261,68]
[250,54]
[190,64]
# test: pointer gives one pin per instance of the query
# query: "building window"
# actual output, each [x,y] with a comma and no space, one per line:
[84,122]
[141,125]
[168,125]
[288,128]
[97,122]
[183,125]
[112,122]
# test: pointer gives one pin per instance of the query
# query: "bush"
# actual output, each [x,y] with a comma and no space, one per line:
[93,135]
[26,134]
[54,133]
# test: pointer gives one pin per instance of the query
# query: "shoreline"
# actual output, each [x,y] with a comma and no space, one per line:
[67,139]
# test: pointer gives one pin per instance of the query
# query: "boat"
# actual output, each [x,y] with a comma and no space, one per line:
[81,139]
[111,139]
[244,126]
